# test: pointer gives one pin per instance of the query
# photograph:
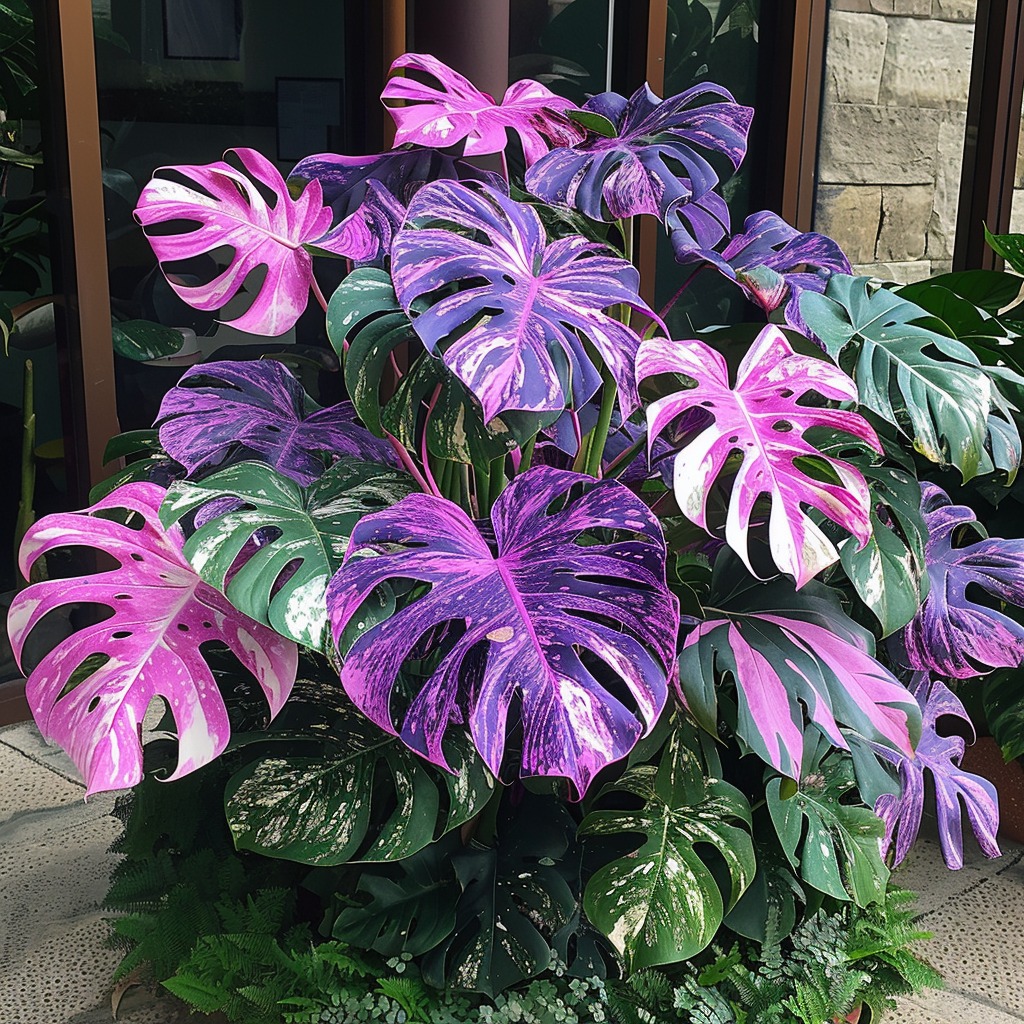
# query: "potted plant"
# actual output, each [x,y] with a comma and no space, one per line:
[546,675]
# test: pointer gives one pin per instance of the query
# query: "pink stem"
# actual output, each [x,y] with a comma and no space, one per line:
[319,294]
[406,460]
[675,298]
[394,366]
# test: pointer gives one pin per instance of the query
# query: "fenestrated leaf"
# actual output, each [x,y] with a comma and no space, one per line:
[656,162]
[962,299]
[761,418]
[280,578]
[940,756]
[140,340]
[838,851]
[888,573]
[457,111]
[930,386]
[788,651]
[230,210]
[661,904]
[411,909]
[365,316]
[513,613]
[515,896]
[511,333]
[150,646]
[359,794]
[259,408]
[952,634]
[767,911]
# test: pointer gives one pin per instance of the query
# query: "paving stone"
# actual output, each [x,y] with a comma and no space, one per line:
[863,144]
[949,1008]
[927,64]
[25,737]
[977,945]
[28,785]
[855,56]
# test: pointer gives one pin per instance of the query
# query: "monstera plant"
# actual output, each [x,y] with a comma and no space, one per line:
[563,647]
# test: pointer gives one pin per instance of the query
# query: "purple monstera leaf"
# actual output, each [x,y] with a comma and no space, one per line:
[647,163]
[457,110]
[792,654]
[230,210]
[519,610]
[765,261]
[149,647]
[761,419]
[345,180]
[365,235]
[260,406]
[514,339]
[952,634]
[939,755]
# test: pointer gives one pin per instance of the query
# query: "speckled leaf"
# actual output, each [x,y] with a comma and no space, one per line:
[512,332]
[259,408]
[930,386]
[952,634]
[888,573]
[550,584]
[1009,247]
[362,796]
[940,756]
[790,654]
[140,340]
[834,844]
[656,161]
[763,419]
[661,904]
[273,550]
[515,896]
[150,646]
[230,210]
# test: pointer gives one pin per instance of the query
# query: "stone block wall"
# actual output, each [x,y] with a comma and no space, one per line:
[897,75]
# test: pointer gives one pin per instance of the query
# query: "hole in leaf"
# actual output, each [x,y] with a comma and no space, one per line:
[121,634]
[93,705]
[783,426]
[182,628]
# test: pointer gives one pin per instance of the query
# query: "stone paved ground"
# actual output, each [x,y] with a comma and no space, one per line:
[55,968]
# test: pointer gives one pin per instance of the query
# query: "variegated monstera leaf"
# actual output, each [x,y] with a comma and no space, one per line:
[506,619]
[761,420]
[512,331]
[90,693]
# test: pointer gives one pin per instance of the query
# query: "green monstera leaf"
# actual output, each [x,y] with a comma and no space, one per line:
[370,330]
[929,385]
[661,904]
[834,845]
[888,573]
[271,545]
[342,790]
[515,896]
[408,907]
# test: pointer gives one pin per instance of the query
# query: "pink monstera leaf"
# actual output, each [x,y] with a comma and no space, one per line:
[456,110]
[149,647]
[555,616]
[792,656]
[227,208]
[760,419]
